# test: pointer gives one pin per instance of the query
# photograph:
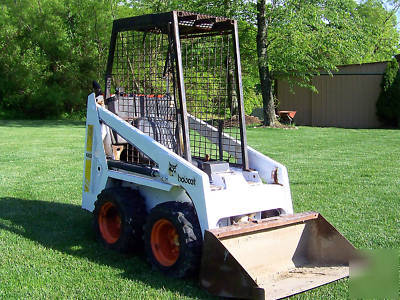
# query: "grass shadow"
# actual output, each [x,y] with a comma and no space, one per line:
[68,229]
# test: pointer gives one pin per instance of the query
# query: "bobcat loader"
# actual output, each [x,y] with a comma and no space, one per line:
[167,168]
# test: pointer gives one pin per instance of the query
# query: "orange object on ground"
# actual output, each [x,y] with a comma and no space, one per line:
[287,115]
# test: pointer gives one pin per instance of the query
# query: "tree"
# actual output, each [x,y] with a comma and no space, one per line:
[266,79]
[50,51]
[380,29]
[297,39]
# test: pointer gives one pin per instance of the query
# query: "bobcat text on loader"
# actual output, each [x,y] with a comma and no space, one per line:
[167,167]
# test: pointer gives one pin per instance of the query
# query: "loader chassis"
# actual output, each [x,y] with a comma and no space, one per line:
[167,167]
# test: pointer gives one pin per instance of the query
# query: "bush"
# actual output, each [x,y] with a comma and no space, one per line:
[388,104]
[251,95]
[47,65]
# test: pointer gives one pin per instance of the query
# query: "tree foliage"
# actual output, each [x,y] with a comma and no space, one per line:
[379,27]
[50,53]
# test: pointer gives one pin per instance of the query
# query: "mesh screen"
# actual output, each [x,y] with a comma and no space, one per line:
[143,77]
[211,95]
[146,92]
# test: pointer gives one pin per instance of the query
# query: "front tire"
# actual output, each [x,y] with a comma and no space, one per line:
[119,216]
[173,240]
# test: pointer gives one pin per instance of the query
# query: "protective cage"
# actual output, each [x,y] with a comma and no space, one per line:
[177,78]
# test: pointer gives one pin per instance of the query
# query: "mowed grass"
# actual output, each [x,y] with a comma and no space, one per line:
[47,245]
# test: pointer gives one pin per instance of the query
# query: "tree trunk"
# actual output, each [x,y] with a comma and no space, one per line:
[263,68]
[230,79]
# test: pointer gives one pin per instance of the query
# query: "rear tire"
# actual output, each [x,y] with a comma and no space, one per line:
[119,215]
[173,240]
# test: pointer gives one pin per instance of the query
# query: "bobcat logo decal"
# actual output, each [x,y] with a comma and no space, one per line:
[172,169]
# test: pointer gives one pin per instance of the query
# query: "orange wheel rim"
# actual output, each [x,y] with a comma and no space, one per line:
[109,222]
[165,242]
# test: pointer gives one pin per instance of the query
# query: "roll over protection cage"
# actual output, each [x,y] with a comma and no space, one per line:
[209,41]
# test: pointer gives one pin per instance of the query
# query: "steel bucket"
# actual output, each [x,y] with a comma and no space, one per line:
[274,258]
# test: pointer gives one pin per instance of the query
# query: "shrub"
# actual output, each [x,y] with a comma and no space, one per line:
[388,104]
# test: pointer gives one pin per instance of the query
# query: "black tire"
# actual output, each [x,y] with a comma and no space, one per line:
[184,218]
[127,205]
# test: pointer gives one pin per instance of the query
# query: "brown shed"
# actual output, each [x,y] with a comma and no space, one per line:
[347,99]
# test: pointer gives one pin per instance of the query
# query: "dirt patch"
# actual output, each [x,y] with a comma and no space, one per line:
[255,121]
[234,122]
[281,126]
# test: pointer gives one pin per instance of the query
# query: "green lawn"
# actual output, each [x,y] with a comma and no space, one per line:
[47,246]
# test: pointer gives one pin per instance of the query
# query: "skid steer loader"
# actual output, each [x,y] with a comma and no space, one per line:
[167,168]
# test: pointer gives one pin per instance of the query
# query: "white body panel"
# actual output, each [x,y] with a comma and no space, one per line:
[230,193]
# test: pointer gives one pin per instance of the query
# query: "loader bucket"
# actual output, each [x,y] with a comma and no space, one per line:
[274,258]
